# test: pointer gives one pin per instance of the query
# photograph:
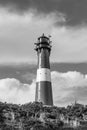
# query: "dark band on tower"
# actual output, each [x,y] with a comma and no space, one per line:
[43,82]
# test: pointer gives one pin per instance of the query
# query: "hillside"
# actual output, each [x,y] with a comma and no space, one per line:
[36,116]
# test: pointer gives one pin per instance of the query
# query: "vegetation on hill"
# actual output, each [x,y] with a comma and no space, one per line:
[36,116]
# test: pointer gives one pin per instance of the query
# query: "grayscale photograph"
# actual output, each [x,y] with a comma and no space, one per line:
[43,64]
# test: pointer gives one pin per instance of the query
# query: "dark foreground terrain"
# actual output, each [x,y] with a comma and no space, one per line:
[36,116]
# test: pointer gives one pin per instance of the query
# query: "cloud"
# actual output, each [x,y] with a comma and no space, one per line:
[12,90]
[74,10]
[68,87]
[69,44]
[19,32]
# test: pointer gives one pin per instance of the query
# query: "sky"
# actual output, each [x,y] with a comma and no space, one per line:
[21,23]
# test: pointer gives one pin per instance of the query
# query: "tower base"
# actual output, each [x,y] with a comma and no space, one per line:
[44,93]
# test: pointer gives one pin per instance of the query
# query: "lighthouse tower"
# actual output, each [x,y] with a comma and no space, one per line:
[43,82]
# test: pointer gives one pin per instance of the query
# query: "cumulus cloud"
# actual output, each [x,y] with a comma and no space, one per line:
[68,87]
[12,90]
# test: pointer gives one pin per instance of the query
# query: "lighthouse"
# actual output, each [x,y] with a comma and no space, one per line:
[43,81]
